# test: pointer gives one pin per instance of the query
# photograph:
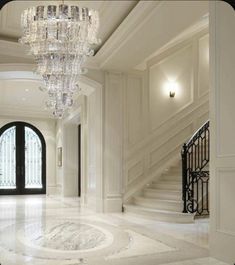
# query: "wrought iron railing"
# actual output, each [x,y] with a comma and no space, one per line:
[195,174]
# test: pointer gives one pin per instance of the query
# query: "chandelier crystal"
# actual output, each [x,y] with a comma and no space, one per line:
[61,39]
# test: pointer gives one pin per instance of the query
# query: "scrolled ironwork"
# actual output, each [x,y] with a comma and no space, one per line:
[195,177]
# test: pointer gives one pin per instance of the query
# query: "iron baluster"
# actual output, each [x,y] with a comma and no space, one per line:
[195,178]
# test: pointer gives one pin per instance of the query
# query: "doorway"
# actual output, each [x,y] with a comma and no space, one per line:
[22,160]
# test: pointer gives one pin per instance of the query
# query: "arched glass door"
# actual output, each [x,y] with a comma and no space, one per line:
[22,159]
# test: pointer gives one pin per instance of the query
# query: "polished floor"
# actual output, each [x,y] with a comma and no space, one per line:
[40,230]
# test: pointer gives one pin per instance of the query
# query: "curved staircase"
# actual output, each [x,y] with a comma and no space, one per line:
[162,199]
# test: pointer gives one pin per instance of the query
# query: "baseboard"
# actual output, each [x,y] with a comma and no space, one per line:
[53,190]
[113,204]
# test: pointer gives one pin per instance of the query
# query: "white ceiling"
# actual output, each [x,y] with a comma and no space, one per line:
[19,96]
[131,32]
[111,14]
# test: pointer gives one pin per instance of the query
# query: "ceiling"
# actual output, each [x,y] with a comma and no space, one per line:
[131,32]
[112,13]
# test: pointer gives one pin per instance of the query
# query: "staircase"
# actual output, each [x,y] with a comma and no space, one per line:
[162,199]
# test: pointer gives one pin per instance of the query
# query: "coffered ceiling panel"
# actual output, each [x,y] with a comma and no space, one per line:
[111,13]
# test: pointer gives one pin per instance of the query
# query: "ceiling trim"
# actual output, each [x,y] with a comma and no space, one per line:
[136,18]
[11,110]
[17,67]
[20,75]
[14,49]
[25,72]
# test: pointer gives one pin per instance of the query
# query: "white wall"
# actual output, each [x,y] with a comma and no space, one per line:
[94,148]
[113,141]
[59,143]
[70,165]
[88,112]
[67,139]
[155,125]
[222,110]
[47,128]
[131,129]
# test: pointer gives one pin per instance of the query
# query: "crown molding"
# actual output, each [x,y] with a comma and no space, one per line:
[14,49]
[13,111]
[137,22]
[136,18]
[8,67]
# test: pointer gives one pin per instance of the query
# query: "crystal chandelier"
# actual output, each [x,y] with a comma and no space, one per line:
[60,38]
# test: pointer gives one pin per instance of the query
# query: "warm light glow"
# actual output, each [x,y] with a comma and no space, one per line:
[172,87]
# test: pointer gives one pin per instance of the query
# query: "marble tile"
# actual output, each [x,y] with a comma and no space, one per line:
[141,245]
[64,235]
[34,231]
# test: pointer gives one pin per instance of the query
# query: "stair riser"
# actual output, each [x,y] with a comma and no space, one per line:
[167,186]
[177,207]
[172,171]
[161,216]
[171,178]
[158,195]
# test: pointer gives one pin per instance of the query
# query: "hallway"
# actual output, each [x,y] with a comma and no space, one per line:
[50,230]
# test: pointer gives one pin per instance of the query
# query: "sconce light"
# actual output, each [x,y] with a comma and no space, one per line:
[172,94]
[172,88]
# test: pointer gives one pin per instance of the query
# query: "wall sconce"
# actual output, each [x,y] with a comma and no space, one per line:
[172,88]
[172,94]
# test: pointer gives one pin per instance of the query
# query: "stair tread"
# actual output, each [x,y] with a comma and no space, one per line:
[152,210]
[162,190]
[157,199]
[163,181]
[167,181]
[172,174]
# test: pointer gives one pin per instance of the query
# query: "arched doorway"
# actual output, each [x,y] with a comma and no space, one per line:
[22,159]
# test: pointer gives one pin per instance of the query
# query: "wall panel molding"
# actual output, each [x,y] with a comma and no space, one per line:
[153,150]
[225,180]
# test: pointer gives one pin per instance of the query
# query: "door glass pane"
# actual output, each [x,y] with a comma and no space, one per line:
[8,159]
[33,160]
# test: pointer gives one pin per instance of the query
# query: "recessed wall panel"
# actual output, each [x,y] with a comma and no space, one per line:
[176,69]
[203,69]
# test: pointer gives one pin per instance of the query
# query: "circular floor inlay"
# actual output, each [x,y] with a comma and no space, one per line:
[63,238]
[64,235]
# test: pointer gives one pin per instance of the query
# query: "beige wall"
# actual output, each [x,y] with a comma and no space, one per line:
[155,125]
[47,128]
[222,110]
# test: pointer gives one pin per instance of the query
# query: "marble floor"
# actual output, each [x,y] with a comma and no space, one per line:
[42,230]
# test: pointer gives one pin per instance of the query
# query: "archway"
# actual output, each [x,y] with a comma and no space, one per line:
[22,159]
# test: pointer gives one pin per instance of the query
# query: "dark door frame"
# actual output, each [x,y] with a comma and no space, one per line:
[20,159]
[79,160]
